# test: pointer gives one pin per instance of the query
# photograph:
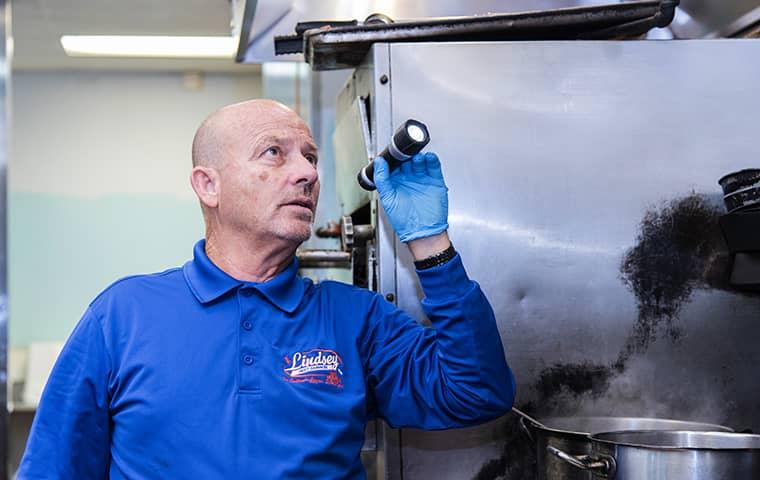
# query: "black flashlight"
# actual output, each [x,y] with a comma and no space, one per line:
[409,140]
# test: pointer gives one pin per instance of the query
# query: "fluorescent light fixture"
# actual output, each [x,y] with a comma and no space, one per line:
[147,46]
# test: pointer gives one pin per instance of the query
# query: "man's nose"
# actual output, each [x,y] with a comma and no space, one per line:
[305,172]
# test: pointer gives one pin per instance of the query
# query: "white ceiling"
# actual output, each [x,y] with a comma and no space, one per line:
[38,24]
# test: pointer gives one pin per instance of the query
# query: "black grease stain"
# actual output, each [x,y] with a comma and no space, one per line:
[680,248]
[518,455]
[556,387]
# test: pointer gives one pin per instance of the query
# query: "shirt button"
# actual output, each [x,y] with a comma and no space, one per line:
[247,293]
[247,325]
[248,359]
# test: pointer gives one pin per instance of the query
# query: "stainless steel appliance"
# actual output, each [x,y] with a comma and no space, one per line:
[256,22]
[675,455]
[584,200]
[570,436]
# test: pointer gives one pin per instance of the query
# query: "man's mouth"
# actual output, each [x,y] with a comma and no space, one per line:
[302,202]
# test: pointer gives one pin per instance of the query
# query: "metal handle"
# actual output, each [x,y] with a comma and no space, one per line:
[601,465]
[523,417]
[526,430]
[528,417]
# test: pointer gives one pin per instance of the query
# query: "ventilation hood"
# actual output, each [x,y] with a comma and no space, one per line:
[255,23]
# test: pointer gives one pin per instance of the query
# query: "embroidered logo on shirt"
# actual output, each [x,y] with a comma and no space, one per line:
[318,365]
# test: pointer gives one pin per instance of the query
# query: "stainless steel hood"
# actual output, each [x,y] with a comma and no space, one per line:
[256,22]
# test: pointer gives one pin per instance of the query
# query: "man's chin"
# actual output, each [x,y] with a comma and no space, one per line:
[303,236]
[296,229]
[298,235]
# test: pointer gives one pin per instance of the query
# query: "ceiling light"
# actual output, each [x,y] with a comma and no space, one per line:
[147,46]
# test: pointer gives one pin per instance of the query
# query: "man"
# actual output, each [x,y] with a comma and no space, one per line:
[234,367]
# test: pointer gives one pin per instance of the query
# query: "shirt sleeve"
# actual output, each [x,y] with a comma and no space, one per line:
[70,435]
[452,374]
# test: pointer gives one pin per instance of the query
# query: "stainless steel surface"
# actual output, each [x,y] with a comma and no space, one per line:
[568,436]
[592,425]
[667,440]
[679,455]
[279,17]
[566,163]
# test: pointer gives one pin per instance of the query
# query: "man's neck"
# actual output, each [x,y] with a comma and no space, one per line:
[247,259]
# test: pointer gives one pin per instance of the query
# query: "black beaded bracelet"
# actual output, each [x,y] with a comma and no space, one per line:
[437,259]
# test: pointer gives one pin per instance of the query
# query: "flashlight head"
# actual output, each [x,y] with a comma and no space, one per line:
[410,138]
[415,132]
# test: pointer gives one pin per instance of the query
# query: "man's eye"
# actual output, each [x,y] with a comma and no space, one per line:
[272,151]
[312,159]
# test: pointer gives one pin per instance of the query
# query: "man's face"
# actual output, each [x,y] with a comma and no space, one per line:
[269,185]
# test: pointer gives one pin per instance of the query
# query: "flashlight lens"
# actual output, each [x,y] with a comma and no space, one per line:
[415,133]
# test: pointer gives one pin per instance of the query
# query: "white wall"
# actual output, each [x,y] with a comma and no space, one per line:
[98,185]
[95,133]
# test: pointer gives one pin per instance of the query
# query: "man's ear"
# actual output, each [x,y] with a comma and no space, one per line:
[205,182]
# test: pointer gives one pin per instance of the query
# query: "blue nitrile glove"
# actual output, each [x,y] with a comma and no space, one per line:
[414,196]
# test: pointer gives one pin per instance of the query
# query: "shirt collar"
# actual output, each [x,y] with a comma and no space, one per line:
[209,282]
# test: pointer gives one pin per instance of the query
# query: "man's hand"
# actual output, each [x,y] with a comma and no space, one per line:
[414,196]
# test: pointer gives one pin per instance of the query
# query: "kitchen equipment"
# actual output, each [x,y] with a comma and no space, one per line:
[571,436]
[255,22]
[336,47]
[668,455]
[737,180]
[744,199]
[741,226]
[534,138]
[741,190]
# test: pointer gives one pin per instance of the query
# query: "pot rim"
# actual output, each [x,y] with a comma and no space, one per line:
[595,439]
[546,428]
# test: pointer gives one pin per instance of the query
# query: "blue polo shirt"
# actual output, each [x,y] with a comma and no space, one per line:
[191,373]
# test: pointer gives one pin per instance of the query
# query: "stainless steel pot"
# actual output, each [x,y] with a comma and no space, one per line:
[571,435]
[669,455]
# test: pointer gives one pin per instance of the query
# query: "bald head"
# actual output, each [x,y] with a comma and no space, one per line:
[231,128]
[253,162]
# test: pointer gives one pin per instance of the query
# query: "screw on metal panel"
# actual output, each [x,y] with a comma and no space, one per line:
[390,297]
[383,79]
